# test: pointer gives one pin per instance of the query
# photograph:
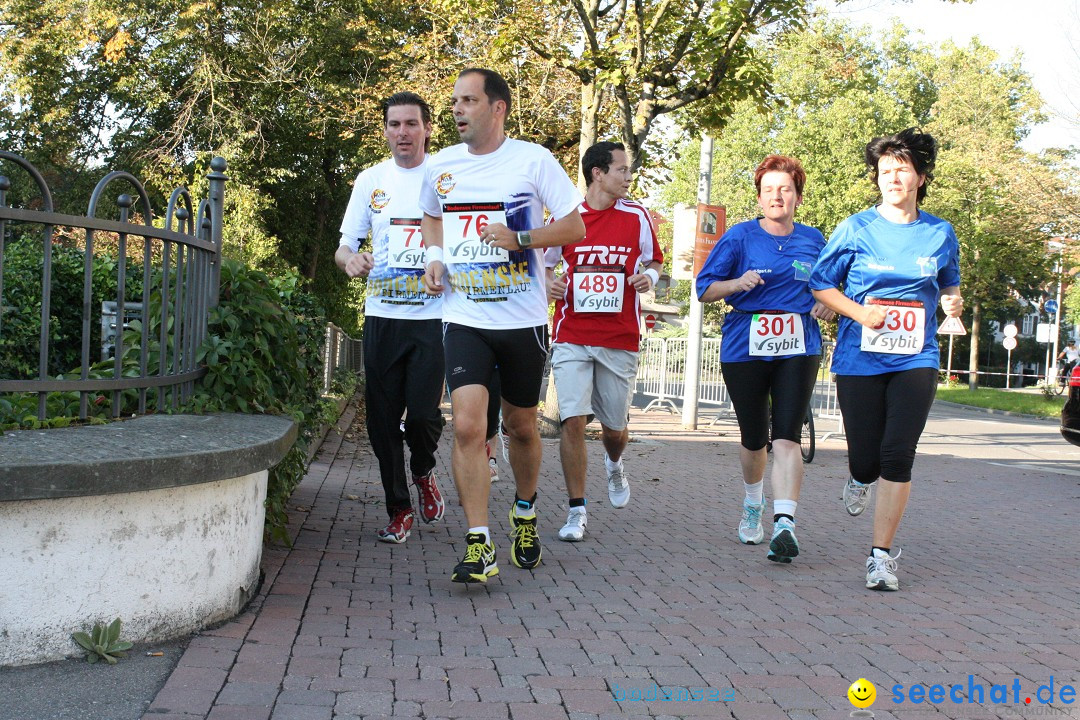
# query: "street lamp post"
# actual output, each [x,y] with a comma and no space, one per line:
[1056,327]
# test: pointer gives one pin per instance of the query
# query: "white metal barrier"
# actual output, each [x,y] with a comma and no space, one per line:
[662,373]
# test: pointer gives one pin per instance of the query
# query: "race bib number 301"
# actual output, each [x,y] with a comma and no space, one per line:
[405,245]
[599,288]
[463,227]
[777,334]
[903,331]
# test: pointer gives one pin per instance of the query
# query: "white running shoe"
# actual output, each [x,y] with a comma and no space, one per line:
[750,530]
[574,529]
[618,488]
[856,496]
[504,440]
[881,571]
[493,464]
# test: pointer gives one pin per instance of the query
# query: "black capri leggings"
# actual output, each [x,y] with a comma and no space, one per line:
[790,385]
[884,415]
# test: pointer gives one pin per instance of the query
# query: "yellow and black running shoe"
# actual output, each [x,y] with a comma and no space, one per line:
[526,550]
[479,561]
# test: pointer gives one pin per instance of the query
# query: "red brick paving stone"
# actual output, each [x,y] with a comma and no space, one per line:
[257,672]
[249,693]
[746,711]
[238,712]
[301,712]
[183,700]
[421,690]
[264,654]
[218,643]
[588,701]
[196,678]
[537,711]
[315,667]
[364,703]
[450,710]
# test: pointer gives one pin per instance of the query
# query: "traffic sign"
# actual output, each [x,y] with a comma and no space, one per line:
[1009,343]
[1009,330]
[1051,307]
[952,326]
[650,321]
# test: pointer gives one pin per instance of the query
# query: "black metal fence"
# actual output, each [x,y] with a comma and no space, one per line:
[180,268]
[340,351]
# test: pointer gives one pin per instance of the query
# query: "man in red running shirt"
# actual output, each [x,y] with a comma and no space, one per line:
[595,335]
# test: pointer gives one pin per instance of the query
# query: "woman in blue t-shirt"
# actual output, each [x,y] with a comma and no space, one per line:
[772,346]
[895,263]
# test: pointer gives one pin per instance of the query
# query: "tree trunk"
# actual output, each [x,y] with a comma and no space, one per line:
[591,97]
[973,354]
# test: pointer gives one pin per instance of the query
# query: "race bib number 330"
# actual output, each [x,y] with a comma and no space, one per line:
[463,229]
[599,288]
[903,331]
[773,334]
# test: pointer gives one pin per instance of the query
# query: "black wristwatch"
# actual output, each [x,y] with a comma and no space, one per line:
[524,239]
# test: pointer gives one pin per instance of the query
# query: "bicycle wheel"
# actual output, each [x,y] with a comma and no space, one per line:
[807,441]
[1061,384]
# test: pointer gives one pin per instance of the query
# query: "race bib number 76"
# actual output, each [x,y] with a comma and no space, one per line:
[463,229]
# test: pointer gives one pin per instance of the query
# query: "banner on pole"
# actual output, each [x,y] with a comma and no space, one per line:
[711,223]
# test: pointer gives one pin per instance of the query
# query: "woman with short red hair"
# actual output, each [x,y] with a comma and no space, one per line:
[772,345]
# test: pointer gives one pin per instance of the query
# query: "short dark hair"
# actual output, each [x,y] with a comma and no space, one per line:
[910,145]
[599,156]
[408,98]
[495,86]
[784,164]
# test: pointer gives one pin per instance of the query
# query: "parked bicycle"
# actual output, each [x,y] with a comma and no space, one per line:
[807,440]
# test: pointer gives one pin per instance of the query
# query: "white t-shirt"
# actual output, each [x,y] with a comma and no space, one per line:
[490,288]
[384,203]
[1071,354]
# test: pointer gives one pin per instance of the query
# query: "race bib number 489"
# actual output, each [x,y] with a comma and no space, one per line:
[773,334]
[463,229]
[599,288]
[903,331]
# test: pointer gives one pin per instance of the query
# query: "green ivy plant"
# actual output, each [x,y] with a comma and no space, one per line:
[103,643]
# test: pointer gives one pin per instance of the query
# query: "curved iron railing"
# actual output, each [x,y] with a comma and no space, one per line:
[180,278]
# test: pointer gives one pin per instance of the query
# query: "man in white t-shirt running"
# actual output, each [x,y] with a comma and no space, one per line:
[595,331]
[403,354]
[483,203]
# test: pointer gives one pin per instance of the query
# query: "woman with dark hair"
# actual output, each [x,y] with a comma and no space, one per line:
[895,263]
[772,344]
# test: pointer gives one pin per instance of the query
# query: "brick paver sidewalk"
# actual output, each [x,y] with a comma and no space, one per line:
[660,596]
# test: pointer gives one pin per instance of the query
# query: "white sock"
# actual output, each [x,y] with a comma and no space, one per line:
[754,492]
[482,529]
[612,465]
[522,512]
[784,507]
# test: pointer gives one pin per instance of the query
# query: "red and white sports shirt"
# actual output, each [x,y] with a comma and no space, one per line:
[599,307]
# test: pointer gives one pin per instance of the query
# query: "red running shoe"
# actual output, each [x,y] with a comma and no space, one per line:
[398,529]
[431,503]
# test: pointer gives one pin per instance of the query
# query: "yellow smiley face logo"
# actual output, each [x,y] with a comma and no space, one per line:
[862,693]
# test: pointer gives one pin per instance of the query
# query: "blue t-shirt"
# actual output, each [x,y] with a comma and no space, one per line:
[785,264]
[904,265]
